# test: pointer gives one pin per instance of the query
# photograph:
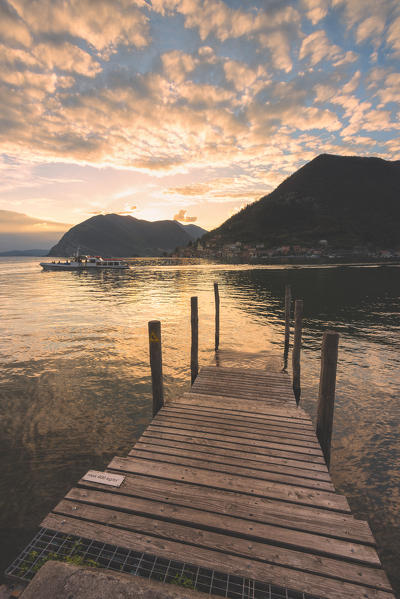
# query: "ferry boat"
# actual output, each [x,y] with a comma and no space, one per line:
[80,262]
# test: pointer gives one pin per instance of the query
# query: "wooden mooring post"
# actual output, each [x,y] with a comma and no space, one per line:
[288,299]
[194,353]
[298,323]
[216,296]
[327,385]
[156,365]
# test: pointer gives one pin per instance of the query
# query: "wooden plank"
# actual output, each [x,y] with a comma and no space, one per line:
[207,464]
[262,361]
[281,375]
[230,393]
[230,482]
[230,525]
[214,441]
[270,511]
[227,525]
[300,451]
[329,588]
[232,431]
[226,391]
[247,419]
[256,392]
[192,535]
[237,385]
[249,384]
[207,456]
[246,361]
[256,409]
[238,424]
[249,380]
[221,449]
[245,371]
[246,381]
[228,433]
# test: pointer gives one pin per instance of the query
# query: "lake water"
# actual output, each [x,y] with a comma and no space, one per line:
[75,385]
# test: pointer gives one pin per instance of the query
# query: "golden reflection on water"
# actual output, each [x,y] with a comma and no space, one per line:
[75,383]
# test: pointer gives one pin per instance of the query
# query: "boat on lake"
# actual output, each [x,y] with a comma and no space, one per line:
[81,262]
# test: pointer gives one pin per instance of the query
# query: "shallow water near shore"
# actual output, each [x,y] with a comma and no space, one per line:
[75,385]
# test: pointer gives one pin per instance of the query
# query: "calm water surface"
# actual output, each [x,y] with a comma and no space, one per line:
[75,387]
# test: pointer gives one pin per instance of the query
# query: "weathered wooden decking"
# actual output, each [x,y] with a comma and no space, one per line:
[231,477]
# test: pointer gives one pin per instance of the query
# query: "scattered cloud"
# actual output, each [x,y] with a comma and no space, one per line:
[177,65]
[67,57]
[315,10]
[279,44]
[15,222]
[393,37]
[197,189]
[128,211]
[13,30]
[181,216]
[241,75]
[103,24]
[317,47]
[207,100]
[371,27]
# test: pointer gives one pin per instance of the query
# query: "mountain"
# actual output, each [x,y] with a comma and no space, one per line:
[116,235]
[346,200]
[22,232]
[194,230]
[24,253]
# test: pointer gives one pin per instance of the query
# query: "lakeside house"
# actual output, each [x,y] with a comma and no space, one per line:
[258,251]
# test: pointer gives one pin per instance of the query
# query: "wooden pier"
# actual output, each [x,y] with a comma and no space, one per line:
[230,476]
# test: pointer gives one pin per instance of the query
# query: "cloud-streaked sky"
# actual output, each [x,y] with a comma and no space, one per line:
[159,108]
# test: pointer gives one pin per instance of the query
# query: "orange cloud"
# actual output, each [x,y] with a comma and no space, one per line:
[181,216]
[94,22]
[67,57]
[16,222]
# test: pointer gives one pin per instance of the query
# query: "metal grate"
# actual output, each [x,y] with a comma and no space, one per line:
[48,544]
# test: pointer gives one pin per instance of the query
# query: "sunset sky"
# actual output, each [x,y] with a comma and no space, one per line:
[186,108]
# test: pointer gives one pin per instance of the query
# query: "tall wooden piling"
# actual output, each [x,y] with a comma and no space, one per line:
[288,299]
[194,354]
[298,323]
[327,385]
[216,296]
[156,365]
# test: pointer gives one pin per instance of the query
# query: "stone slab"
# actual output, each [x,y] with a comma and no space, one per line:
[57,580]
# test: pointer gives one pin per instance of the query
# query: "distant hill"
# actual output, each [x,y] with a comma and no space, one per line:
[193,230]
[346,200]
[116,235]
[23,232]
[24,253]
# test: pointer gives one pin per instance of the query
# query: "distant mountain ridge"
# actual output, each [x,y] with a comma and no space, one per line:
[193,230]
[124,236]
[11,253]
[21,232]
[346,200]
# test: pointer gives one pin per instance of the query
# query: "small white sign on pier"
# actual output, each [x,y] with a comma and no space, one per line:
[104,478]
